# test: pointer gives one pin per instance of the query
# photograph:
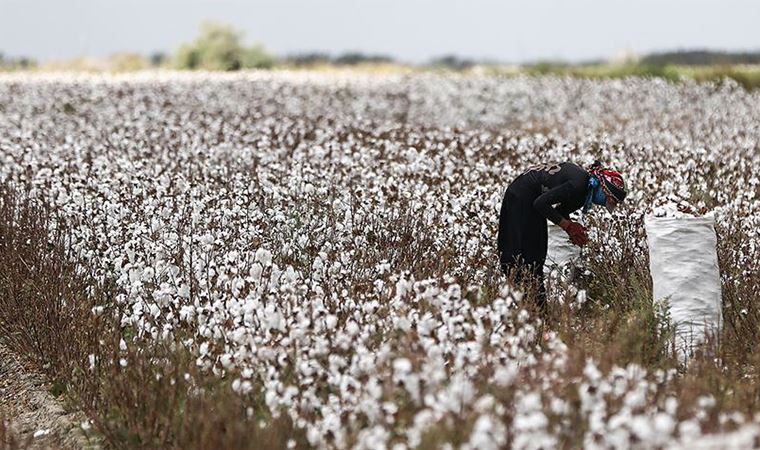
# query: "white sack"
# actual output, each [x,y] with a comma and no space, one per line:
[684,267]
[561,251]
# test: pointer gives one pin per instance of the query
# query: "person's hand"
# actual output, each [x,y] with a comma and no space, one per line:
[576,231]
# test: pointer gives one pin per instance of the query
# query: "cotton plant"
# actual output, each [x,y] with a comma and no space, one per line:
[323,240]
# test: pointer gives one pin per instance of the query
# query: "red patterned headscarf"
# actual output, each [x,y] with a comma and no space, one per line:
[610,180]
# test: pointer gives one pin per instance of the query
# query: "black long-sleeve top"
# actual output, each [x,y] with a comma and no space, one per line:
[563,185]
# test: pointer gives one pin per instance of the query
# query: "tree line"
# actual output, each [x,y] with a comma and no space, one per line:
[220,47]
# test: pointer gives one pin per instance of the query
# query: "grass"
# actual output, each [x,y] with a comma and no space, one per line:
[748,76]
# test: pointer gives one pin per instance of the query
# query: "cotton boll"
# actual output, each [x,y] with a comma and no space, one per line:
[403,324]
[402,366]
[255,272]
[274,282]
[487,434]
[331,322]
[373,438]
[484,404]
[239,336]
[313,436]
[207,239]
[671,406]
[425,326]
[135,276]
[402,287]
[184,291]
[275,320]
[352,329]
[690,429]
[664,425]
[317,267]
[264,257]
[187,313]
[591,372]
[226,361]
[706,402]
[147,274]
[289,275]
[505,375]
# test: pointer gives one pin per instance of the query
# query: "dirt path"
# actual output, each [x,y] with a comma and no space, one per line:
[34,415]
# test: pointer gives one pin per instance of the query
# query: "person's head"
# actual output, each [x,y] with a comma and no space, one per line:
[607,185]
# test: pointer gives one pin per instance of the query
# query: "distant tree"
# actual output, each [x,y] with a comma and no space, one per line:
[157,59]
[308,59]
[453,62]
[702,57]
[257,58]
[218,47]
[547,67]
[353,58]
[26,63]
[187,57]
[22,62]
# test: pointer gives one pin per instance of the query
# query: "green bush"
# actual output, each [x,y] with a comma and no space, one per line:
[186,57]
[21,63]
[219,47]
[256,57]
[746,76]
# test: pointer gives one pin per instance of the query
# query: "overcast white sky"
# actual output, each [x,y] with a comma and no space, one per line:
[411,30]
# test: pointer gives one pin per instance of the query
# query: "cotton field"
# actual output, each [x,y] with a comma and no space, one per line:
[327,241]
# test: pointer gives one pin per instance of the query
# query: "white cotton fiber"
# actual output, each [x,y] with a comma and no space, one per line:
[684,267]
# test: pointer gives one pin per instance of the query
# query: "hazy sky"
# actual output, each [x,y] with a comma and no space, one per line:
[411,30]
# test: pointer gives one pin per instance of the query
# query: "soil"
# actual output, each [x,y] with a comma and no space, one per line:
[33,416]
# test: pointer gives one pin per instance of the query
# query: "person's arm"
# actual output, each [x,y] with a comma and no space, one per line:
[563,211]
[567,208]
[545,202]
